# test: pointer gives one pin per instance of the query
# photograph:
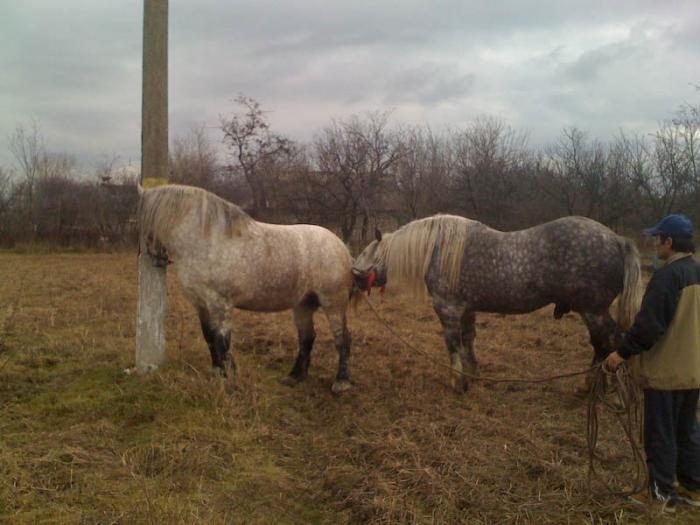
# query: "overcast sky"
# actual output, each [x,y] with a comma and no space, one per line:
[75,65]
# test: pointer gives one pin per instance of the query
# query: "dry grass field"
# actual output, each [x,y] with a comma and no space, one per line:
[83,442]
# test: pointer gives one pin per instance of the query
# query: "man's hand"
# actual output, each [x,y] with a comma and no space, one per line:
[613,361]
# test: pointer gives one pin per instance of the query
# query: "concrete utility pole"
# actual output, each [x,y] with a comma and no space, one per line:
[150,325]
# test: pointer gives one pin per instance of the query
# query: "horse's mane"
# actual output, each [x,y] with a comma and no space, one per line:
[409,249]
[164,207]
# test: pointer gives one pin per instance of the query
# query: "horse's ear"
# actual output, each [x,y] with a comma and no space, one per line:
[377,234]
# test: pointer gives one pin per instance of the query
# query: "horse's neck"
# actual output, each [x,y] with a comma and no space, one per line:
[191,237]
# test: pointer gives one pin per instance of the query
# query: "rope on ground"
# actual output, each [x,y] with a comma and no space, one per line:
[626,408]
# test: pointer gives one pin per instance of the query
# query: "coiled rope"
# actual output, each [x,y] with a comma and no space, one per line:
[626,406]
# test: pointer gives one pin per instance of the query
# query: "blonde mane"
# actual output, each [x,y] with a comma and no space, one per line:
[407,252]
[164,207]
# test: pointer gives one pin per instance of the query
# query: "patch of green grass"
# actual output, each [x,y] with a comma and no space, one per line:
[99,393]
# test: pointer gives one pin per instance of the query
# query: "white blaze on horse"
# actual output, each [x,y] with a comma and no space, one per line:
[466,267]
[225,260]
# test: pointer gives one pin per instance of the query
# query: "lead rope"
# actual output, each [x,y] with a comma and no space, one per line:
[627,410]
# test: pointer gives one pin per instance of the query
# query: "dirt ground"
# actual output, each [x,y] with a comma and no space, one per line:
[83,442]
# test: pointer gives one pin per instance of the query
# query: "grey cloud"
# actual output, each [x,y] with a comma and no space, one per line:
[75,65]
[589,65]
[333,24]
[429,84]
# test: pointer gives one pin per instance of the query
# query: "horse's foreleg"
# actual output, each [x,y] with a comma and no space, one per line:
[451,317]
[466,350]
[304,321]
[341,335]
[218,338]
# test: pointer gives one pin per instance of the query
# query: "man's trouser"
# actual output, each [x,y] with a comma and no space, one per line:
[672,439]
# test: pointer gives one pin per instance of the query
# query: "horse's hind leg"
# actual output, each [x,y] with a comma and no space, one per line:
[304,321]
[602,330]
[217,334]
[459,332]
[341,335]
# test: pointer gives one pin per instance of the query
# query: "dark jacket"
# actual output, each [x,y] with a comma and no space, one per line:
[666,332]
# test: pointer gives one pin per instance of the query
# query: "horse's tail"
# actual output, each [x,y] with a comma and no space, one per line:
[631,297]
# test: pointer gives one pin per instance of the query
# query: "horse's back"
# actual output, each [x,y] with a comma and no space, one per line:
[572,260]
[324,262]
[579,257]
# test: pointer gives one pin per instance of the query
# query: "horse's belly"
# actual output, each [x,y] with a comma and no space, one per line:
[510,304]
[270,296]
[257,305]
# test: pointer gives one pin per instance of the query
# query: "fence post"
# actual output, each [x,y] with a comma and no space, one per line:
[150,325]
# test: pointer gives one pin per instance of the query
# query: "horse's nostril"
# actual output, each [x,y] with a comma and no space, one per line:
[358,273]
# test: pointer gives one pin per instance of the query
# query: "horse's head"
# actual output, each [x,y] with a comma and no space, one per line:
[369,269]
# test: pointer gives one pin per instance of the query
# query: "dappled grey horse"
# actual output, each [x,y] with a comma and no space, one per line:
[225,260]
[466,267]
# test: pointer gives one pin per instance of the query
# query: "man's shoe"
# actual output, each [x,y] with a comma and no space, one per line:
[645,498]
[691,497]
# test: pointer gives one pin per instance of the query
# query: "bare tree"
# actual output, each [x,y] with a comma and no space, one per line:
[5,186]
[489,157]
[193,159]
[687,120]
[55,205]
[253,147]
[105,168]
[335,186]
[421,174]
[353,159]
[27,147]
[5,192]
[671,179]
[566,161]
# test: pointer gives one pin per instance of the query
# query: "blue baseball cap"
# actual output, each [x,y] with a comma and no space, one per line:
[676,225]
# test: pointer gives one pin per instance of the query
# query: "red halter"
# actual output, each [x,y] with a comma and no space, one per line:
[370,281]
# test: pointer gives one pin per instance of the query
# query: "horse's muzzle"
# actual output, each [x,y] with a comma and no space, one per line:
[365,280]
[361,278]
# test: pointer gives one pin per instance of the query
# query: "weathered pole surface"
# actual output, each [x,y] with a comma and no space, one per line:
[150,325]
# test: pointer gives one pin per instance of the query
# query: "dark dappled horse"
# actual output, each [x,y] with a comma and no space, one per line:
[576,263]
[225,260]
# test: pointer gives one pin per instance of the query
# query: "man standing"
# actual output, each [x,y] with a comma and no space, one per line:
[665,338]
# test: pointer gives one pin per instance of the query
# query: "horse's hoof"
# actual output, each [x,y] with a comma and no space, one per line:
[460,388]
[583,389]
[459,384]
[341,385]
[218,373]
[289,381]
